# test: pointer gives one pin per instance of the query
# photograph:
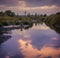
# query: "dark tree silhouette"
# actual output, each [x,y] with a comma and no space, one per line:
[58,13]
[1,13]
[9,13]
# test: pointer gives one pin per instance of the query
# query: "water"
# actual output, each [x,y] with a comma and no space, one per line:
[36,42]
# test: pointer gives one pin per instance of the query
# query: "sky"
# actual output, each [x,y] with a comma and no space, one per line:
[31,6]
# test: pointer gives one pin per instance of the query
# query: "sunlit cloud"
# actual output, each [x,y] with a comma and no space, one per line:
[22,3]
[39,8]
[29,51]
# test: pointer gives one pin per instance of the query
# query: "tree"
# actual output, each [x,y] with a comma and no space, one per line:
[10,13]
[25,13]
[35,14]
[1,13]
[58,13]
[28,14]
[45,15]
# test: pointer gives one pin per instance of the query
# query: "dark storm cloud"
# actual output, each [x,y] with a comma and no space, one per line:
[38,2]
[30,2]
[42,2]
[9,2]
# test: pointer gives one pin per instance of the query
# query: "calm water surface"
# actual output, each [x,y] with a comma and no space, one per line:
[36,42]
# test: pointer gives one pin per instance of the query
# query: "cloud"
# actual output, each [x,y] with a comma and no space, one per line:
[32,6]
[34,3]
[9,2]
[30,3]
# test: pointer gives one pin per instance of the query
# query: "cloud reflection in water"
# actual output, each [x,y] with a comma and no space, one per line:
[29,51]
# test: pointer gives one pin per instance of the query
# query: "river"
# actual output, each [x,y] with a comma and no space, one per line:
[39,41]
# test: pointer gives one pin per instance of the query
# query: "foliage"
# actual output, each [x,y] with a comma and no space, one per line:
[53,21]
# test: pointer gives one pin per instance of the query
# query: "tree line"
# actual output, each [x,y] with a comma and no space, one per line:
[7,13]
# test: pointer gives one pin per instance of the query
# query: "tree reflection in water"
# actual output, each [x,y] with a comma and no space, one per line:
[54,27]
[3,37]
